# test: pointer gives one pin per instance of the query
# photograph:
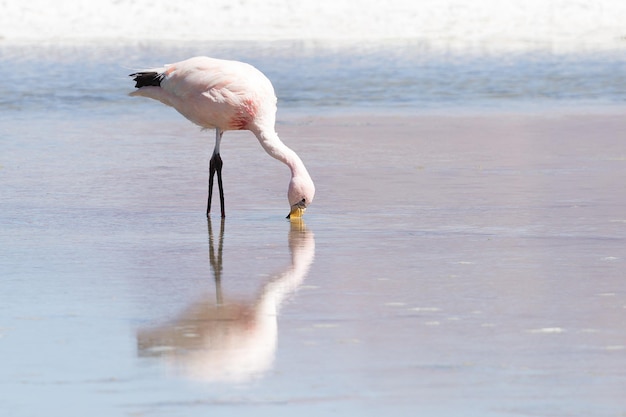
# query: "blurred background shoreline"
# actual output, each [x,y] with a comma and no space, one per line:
[444,25]
[330,56]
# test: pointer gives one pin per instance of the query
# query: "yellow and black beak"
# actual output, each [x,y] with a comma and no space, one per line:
[297,210]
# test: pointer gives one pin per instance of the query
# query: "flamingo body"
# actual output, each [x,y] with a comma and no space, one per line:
[227,95]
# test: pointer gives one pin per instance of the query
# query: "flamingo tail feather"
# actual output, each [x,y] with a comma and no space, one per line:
[147,79]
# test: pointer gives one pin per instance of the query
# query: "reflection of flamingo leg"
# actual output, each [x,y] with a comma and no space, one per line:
[216,262]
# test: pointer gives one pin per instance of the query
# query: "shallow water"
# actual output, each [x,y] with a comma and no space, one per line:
[325,76]
[450,265]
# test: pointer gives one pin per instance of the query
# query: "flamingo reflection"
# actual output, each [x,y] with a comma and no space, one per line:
[219,340]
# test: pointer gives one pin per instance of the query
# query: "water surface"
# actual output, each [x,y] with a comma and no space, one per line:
[327,76]
[461,264]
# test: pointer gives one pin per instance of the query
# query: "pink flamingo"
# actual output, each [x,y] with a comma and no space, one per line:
[227,95]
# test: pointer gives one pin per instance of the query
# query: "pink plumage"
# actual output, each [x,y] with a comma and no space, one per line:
[227,95]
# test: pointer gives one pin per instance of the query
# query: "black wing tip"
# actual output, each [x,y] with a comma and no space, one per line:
[147,79]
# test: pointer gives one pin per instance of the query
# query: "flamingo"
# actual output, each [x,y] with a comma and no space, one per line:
[227,95]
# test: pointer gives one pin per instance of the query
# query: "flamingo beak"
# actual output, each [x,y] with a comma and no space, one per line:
[297,210]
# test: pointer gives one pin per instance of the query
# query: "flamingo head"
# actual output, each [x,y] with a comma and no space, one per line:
[300,194]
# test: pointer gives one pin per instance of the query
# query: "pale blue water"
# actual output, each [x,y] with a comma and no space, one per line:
[321,77]
[463,265]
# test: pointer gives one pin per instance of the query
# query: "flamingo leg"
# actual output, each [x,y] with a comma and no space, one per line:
[215,166]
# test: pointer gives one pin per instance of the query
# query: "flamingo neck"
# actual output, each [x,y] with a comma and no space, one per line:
[272,144]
